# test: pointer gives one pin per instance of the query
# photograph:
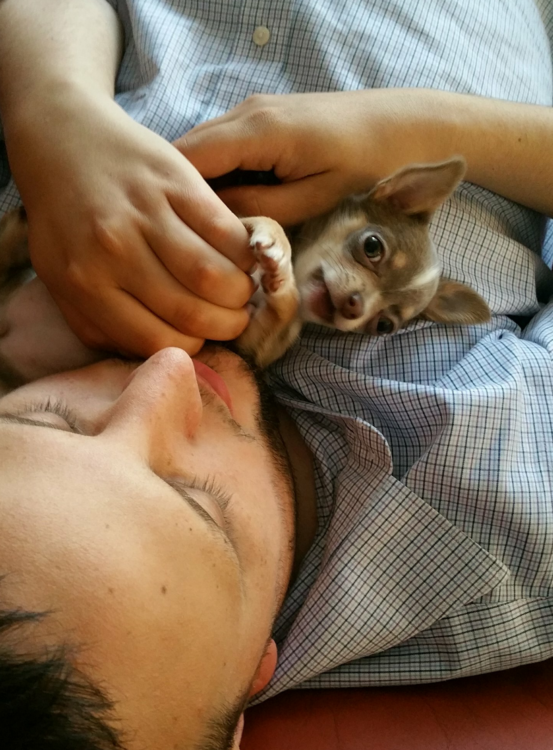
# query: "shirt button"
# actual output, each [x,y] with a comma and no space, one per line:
[261,36]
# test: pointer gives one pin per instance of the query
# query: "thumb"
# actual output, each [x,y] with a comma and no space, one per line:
[218,147]
[212,151]
[288,203]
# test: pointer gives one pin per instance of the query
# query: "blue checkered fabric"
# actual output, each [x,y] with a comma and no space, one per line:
[433,447]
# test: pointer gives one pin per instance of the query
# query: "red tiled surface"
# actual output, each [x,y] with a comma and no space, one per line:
[510,710]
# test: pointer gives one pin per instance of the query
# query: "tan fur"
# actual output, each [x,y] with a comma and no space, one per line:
[274,324]
[399,261]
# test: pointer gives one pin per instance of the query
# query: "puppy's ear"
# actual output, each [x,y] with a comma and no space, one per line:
[456,303]
[419,189]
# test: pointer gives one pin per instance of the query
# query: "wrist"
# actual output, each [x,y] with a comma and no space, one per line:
[47,46]
[40,106]
[405,126]
[49,131]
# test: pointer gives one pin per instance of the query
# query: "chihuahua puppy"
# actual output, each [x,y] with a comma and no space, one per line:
[368,266]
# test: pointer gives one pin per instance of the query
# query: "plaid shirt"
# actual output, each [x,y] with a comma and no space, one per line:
[433,447]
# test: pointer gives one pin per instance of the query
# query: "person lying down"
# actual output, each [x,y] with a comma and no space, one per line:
[165,524]
[169,535]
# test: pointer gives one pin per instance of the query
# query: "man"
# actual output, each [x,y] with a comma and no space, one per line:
[155,540]
[427,553]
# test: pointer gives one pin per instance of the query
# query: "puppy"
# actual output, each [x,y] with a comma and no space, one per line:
[368,266]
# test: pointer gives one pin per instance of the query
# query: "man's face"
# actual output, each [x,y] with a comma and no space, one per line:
[149,511]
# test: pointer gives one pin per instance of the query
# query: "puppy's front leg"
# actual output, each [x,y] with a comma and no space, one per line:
[274,325]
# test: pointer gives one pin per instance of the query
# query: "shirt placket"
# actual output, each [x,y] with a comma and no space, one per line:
[256,59]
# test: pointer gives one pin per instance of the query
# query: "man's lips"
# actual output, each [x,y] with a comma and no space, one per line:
[214,381]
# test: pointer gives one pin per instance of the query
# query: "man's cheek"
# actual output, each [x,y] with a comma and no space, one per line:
[38,341]
[41,348]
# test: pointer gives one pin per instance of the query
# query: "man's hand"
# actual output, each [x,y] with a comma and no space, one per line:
[320,146]
[136,249]
[325,146]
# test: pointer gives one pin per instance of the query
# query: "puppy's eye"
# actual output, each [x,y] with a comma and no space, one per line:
[373,247]
[384,325]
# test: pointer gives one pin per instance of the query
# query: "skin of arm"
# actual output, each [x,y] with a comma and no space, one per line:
[325,146]
[88,32]
[136,249]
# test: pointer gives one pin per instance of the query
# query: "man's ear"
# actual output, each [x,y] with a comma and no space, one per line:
[419,189]
[456,303]
[266,669]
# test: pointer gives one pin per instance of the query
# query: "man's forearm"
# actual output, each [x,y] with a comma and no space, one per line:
[47,46]
[508,146]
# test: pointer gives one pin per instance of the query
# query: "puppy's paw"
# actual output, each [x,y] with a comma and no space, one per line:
[274,324]
[273,254]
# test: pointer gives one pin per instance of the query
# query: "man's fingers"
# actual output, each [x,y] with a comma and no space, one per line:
[211,149]
[196,265]
[184,311]
[228,143]
[89,288]
[132,328]
[151,284]
[202,213]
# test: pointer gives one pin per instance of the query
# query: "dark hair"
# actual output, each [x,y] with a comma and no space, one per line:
[48,704]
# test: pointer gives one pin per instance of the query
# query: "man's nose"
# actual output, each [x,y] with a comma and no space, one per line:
[160,397]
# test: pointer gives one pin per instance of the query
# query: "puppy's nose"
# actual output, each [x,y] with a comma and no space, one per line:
[353,306]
